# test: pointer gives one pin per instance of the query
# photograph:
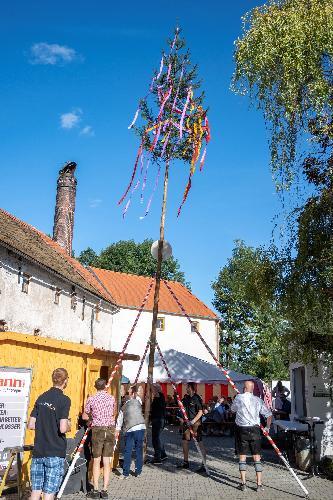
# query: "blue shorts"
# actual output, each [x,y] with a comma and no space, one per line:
[46,474]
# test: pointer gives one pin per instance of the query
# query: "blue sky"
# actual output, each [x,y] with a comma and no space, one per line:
[75,100]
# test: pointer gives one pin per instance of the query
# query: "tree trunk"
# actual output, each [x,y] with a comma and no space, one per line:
[156,299]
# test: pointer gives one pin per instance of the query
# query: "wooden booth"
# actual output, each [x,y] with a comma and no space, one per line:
[84,364]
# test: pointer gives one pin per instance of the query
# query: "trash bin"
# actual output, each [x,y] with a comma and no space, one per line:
[303,453]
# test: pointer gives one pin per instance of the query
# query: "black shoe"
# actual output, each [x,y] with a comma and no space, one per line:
[202,470]
[164,458]
[104,494]
[260,488]
[156,461]
[93,494]
[184,465]
[242,487]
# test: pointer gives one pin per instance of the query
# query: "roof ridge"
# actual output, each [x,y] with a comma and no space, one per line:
[127,289]
[74,263]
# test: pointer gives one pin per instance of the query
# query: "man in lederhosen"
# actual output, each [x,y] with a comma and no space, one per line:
[248,409]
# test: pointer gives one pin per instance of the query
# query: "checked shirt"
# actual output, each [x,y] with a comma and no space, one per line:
[101,407]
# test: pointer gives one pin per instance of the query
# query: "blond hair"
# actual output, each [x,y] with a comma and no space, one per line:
[59,376]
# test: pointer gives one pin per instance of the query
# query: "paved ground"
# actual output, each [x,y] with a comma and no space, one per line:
[166,482]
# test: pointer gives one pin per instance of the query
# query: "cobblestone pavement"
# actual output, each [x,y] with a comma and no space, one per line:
[166,482]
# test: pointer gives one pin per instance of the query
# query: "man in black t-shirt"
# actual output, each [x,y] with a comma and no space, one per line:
[193,405]
[49,419]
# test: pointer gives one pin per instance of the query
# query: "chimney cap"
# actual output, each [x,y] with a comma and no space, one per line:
[69,167]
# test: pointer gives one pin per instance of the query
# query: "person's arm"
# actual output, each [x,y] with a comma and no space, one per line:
[64,420]
[199,409]
[197,417]
[33,417]
[265,412]
[32,423]
[87,410]
[119,423]
[286,391]
[65,425]
[234,406]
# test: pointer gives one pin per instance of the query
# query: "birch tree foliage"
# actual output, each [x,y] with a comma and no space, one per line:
[284,62]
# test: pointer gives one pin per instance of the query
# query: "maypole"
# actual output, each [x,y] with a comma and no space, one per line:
[156,297]
[175,127]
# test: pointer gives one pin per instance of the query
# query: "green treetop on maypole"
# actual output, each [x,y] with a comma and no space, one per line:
[174,123]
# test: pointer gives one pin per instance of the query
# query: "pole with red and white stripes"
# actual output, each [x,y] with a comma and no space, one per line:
[182,409]
[114,371]
[233,385]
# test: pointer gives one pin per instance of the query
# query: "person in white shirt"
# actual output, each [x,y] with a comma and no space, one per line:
[248,409]
[132,423]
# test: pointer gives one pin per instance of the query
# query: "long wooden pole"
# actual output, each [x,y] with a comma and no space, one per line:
[156,298]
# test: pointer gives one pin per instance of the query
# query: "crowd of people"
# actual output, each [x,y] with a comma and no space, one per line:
[50,420]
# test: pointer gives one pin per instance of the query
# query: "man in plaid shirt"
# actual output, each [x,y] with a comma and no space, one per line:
[101,409]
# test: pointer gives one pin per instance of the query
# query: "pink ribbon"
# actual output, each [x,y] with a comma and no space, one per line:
[183,113]
[145,180]
[202,161]
[152,194]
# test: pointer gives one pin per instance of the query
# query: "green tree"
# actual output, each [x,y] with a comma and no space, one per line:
[283,59]
[88,257]
[252,331]
[127,256]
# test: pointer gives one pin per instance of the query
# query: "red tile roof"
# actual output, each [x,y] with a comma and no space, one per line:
[128,290]
[35,245]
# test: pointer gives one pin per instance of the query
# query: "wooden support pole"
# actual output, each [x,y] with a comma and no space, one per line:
[156,298]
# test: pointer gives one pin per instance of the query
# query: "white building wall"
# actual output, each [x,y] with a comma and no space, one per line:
[25,312]
[177,335]
[318,402]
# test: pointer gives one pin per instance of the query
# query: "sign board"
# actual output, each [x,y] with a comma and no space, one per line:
[14,401]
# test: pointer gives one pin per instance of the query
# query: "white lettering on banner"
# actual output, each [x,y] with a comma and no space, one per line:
[14,401]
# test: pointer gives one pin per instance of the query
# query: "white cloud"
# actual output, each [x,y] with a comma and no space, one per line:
[51,53]
[71,119]
[87,130]
[95,203]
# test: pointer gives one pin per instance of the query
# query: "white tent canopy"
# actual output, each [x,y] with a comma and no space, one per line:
[184,368]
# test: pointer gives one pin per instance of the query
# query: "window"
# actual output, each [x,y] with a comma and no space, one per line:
[57,294]
[160,324]
[25,282]
[83,308]
[194,326]
[73,299]
[97,312]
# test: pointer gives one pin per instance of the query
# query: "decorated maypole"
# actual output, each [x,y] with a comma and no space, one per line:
[172,125]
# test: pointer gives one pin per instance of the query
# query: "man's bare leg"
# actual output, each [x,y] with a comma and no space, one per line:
[257,465]
[242,460]
[96,471]
[185,450]
[203,450]
[35,495]
[106,472]
[48,496]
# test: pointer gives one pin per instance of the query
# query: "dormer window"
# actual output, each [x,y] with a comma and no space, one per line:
[83,308]
[73,299]
[97,312]
[194,326]
[25,282]
[57,294]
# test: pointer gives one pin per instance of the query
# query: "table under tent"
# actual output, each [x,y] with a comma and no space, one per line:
[209,380]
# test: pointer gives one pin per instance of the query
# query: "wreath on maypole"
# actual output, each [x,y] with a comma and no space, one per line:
[171,122]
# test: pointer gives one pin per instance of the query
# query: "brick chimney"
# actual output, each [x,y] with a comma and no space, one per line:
[65,207]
